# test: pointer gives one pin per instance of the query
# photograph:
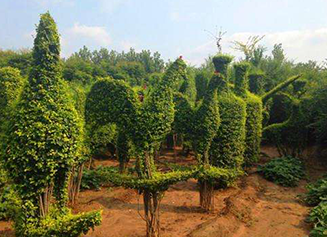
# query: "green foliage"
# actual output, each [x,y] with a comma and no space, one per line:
[201,82]
[159,182]
[42,141]
[183,114]
[101,136]
[188,88]
[265,97]
[281,108]
[111,101]
[253,128]
[286,171]
[206,121]
[316,192]
[11,84]
[20,59]
[241,78]
[59,223]
[9,203]
[221,62]
[135,72]
[228,146]
[290,136]
[44,134]
[256,82]
[217,176]
[318,216]
[94,179]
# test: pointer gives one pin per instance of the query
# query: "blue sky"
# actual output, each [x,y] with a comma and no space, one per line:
[172,27]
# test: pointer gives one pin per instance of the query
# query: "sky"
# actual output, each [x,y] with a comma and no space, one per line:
[171,27]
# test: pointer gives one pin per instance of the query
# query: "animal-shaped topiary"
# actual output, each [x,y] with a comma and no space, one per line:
[146,124]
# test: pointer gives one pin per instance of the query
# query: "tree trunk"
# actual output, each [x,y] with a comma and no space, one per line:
[206,195]
[151,211]
[175,144]
[75,184]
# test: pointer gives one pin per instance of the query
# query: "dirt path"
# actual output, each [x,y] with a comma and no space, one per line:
[256,208]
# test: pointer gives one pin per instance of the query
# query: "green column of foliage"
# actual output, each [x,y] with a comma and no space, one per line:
[228,146]
[42,141]
[253,114]
[157,113]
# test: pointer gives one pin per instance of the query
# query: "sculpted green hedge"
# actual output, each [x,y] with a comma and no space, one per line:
[253,114]
[228,146]
[43,136]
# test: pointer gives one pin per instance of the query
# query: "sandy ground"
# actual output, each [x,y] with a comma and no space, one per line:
[254,208]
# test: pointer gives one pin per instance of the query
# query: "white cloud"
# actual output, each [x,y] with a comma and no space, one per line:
[300,45]
[96,33]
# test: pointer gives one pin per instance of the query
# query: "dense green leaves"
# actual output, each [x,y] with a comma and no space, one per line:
[42,140]
[286,171]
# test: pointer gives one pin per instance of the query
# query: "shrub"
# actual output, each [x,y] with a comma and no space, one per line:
[316,192]
[9,203]
[286,171]
[318,216]
[94,179]
[11,84]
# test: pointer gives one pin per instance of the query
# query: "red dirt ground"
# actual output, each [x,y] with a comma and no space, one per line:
[255,208]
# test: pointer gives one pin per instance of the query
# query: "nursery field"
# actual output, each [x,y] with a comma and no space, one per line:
[255,207]
[107,143]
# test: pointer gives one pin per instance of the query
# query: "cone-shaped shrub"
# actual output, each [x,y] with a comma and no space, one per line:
[42,140]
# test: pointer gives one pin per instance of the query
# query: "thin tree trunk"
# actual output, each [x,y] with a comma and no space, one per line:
[151,211]
[75,184]
[174,146]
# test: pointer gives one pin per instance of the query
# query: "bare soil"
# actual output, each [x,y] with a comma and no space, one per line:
[255,207]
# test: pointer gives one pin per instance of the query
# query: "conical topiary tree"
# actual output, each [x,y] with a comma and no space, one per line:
[42,140]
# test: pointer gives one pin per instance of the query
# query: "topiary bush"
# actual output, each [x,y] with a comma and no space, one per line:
[285,171]
[146,123]
[228,146]
[253,114]
[42,141]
